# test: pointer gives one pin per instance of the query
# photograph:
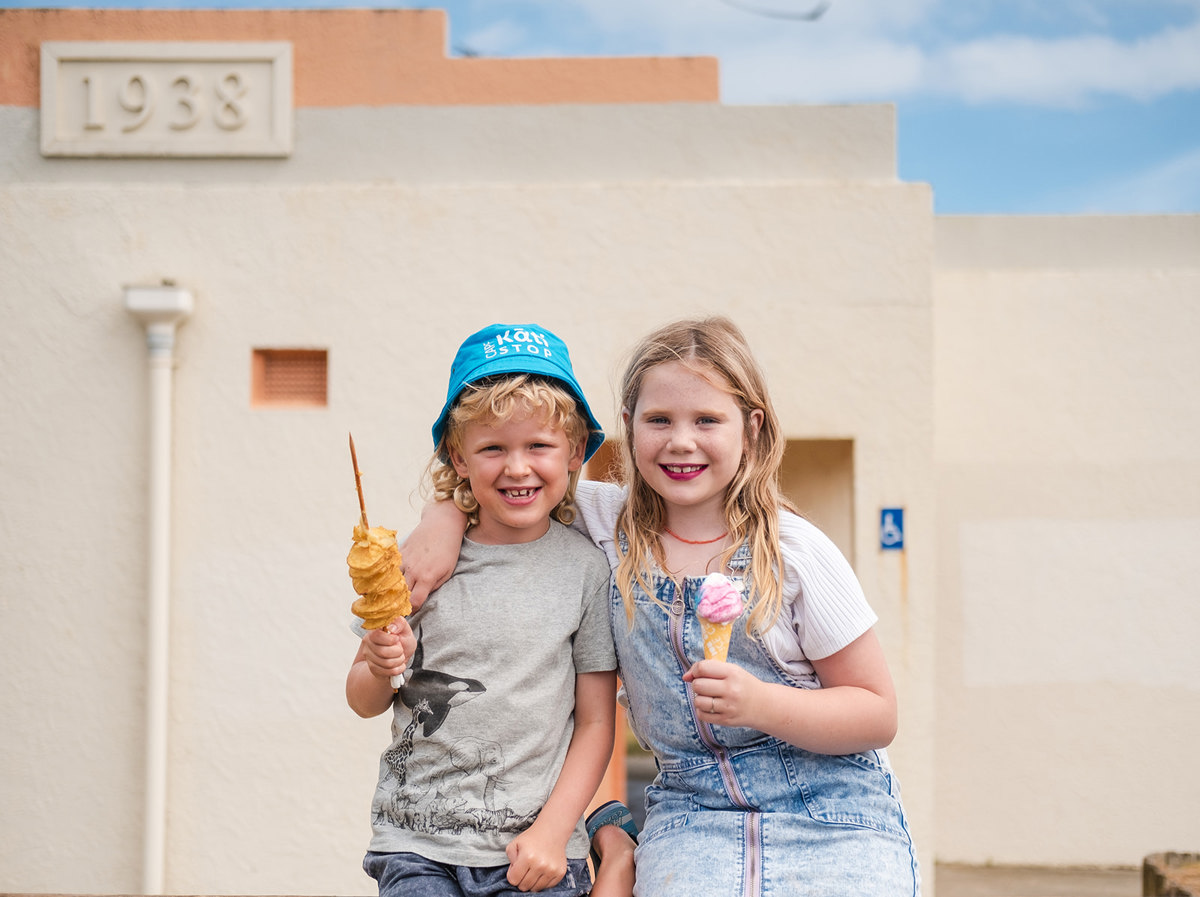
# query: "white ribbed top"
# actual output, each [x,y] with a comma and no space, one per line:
[824,608]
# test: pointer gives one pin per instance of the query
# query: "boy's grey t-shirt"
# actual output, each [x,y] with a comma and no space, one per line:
[481,727]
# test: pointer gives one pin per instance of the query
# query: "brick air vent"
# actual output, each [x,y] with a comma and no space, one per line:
[289,378]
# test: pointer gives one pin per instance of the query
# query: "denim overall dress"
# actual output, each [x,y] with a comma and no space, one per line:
[734,812]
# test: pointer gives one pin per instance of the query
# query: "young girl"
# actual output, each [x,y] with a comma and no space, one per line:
[771,771]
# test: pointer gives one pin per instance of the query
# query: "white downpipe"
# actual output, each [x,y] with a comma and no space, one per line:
[161,310]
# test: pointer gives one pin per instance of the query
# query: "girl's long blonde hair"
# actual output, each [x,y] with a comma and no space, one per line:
[716,349]
[494,400]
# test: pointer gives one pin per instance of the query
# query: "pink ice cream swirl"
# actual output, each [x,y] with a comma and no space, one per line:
[720,600]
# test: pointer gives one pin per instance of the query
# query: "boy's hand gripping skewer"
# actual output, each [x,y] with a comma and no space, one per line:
[375,568]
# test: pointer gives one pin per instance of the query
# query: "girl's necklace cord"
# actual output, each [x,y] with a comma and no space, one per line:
[673,535]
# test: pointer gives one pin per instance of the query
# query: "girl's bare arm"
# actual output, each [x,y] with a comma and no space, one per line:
[854,710]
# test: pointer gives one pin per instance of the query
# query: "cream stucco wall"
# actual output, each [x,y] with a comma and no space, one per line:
[597,221]
[1026,388]
[1067,437]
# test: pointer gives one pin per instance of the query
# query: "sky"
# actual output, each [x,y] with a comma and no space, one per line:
[1004,106]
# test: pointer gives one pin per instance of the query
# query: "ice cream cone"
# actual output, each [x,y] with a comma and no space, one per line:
[716,639]
[720,604]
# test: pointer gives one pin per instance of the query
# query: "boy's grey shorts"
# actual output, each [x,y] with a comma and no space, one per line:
[411,875]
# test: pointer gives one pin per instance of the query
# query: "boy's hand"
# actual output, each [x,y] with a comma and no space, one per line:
[538,862]
[387,650]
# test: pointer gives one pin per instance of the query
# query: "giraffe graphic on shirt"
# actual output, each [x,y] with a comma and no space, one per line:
[396,757]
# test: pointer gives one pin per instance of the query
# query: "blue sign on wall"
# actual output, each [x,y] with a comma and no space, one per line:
[891,529]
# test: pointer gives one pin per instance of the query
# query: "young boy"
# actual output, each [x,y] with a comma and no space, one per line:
[504,724]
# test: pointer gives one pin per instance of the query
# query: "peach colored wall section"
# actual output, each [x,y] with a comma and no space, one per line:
[362,57]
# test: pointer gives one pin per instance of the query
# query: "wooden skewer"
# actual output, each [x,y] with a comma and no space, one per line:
[362,505]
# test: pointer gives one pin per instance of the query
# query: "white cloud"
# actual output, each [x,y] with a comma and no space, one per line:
[668,21]
[705,24]
[1172,186]
[1070,71]
[863,50]
[841,71]
[866,50]
[1064,73]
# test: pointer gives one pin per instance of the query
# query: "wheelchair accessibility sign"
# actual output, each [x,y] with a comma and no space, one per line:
[891,529]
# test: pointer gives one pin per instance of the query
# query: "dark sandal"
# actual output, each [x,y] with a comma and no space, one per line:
[612,813]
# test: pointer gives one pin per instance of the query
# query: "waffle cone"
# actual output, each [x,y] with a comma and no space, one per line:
[716,639]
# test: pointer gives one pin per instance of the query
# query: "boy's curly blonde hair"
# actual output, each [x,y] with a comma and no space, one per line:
[494,400]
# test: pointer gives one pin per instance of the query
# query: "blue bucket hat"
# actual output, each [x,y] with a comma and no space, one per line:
[515,349]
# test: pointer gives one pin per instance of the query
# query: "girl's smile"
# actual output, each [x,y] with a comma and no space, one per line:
[683,471]
[688,437]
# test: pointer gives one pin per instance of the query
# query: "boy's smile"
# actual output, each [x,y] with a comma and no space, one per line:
[519,494]
[519,471]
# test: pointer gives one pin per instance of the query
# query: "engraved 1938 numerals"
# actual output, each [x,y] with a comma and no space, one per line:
[133,100]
